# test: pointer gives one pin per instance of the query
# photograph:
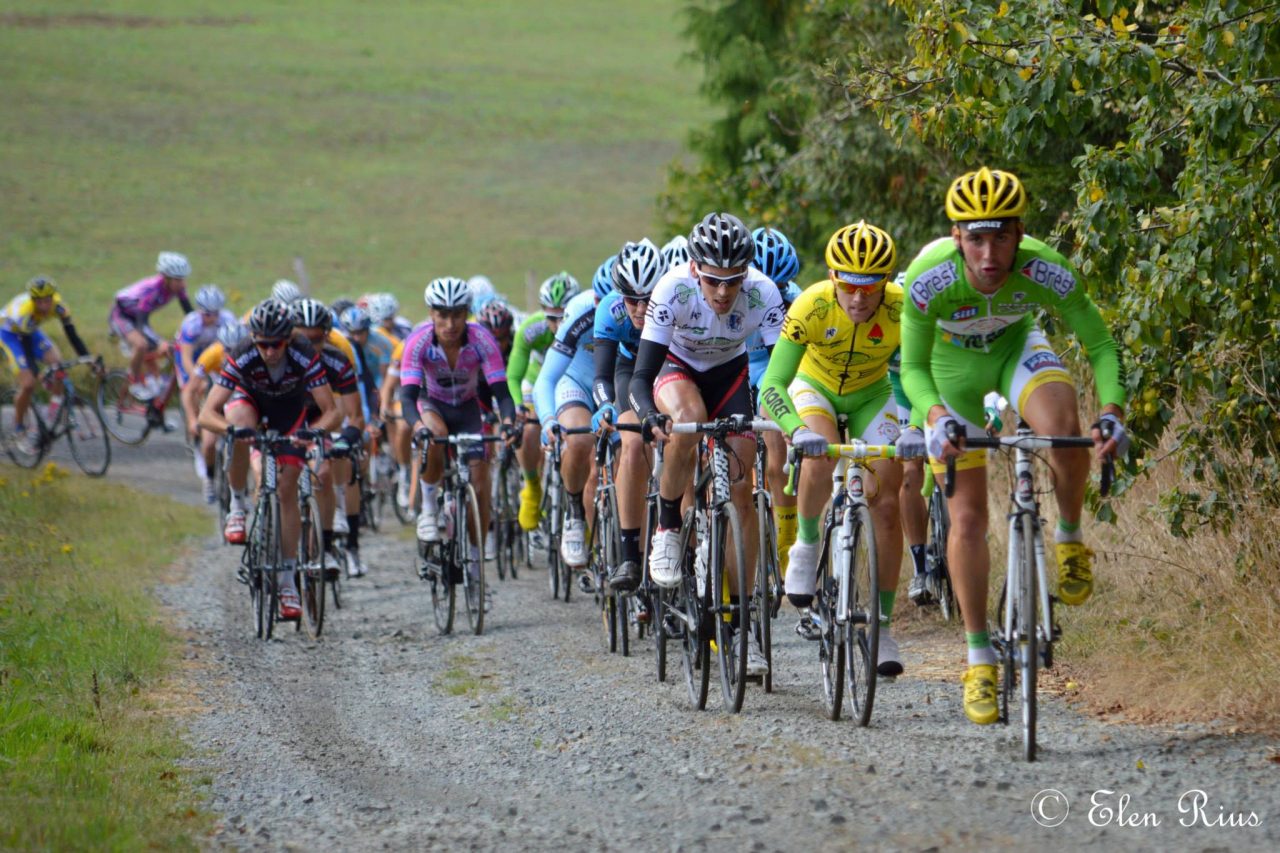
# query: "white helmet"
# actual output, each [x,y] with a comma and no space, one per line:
[286,291]
[676,252]
[231,335]
[447,293]
[173,265]
[210,298]
[382,307]
[637,269]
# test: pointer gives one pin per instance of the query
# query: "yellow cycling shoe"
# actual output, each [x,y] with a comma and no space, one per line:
[530,497]
[981,704]
[1075,573]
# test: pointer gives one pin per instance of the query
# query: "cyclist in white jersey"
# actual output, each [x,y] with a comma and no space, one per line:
[692,366]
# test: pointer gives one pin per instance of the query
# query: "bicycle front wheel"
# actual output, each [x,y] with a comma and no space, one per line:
[831,643]
[936,556]
[468,525]
[862,629]
[1028,653]
[767,587]
[687,607]
[311,569]
[124,414]
[18,445]
[87,438]
[731,619]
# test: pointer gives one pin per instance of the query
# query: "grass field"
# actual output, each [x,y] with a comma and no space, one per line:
[87,759]
[385,142]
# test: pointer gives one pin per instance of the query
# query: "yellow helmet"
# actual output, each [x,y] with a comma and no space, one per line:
[985,194]
[41,287]
[861,254]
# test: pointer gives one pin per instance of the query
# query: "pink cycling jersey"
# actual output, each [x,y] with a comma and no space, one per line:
[424,364]
[142,297]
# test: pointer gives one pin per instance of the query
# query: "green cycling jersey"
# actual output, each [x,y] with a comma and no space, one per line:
[532,340]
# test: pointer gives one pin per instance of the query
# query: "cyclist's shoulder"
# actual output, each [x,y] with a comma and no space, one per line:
[1040,264]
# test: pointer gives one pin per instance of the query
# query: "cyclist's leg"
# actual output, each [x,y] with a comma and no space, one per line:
[784,506]
[873,417]
[24,353]
[240,411]
[677,396]
[529,456]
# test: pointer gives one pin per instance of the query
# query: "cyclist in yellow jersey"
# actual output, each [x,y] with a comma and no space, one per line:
[208,365]
[397,431]
[833,359]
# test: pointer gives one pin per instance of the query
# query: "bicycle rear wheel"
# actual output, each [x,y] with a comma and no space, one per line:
[24,454]
[936,555]
[767,585]
[264,562]
[695,634]
[862,629]
[87,438]
[443,590]
[732,621]
[468,523]
[311,569]
[1027,652]
[831,643]
[125,415]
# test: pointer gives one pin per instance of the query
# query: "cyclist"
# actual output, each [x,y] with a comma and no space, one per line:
[199,331]
[776,258]
[445,362]
[532,340]
[692,365]
[384,310]
[911,504]
[562,398]
[832,360]
[286,291]
[675,253]
[268,378]
[496,316]
[132,310]
[312,321]
[969,328]
[208,365]
[482,291]
[27,345]
[618,322]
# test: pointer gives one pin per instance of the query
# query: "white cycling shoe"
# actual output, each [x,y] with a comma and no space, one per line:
[428,527]
[664,559]
[573,543]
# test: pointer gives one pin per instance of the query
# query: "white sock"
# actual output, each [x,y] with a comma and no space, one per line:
[341,500]
[1060,535]
[404,473]
[985,655]
[429,498]
[202,467]
[238,500]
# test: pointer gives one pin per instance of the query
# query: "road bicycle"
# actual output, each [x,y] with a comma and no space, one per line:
[551,512]
[409,513]
[449,563]
[511,543]
[846,602]
[378,489]
[130,419]
[709,616]
[263,557]
[766,596]
[937,574]
[1024,636]
[604,548]
[66,414]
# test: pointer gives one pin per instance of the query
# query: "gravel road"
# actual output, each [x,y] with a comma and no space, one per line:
[387,735]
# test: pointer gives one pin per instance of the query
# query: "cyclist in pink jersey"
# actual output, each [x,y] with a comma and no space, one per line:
[132,311]
[448,364]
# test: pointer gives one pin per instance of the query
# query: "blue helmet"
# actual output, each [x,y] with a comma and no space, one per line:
[790,293]
[775,256]
[602,282]
[355,319]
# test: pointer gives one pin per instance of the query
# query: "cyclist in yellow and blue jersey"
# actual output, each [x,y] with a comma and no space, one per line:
[833,359]
[27,346]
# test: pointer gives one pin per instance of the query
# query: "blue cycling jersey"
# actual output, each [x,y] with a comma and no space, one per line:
[613,324]
[570,355]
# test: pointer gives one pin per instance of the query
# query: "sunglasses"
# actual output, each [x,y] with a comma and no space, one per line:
[635,300]
[270,345]
[554,318]
[729,281]
[857,283]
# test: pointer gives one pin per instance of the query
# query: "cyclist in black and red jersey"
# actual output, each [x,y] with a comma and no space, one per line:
[269,379]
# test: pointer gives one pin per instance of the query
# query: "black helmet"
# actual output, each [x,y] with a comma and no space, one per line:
[721,240]
[271,319]
[311,314]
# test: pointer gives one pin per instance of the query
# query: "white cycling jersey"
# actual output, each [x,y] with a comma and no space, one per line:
[680,318]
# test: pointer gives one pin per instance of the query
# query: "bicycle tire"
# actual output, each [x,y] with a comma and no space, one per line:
[406,515]
[831,647]
[661,601]
[695,635]
[125,415]
[936,554]
[87,437]
[764,592]
[1025,620]
[269,600]
[731,641]
[612,532]
[311,568]
[254,560]
[443,590]
[472,584]
[862,630]
[223,491]
[9,435]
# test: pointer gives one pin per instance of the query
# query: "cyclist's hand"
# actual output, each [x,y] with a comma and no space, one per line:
[193,429]
[941,447]
[242,433]
[808,443]
[511,432]
[1109,437]
[550,432]
[910,444]
[604,418]
[656,427]
[349,438]
[420,437]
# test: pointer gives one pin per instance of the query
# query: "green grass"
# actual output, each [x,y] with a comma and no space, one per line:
[86,757]
[385,142]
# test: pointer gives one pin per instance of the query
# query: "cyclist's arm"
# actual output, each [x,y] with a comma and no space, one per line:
[387,391]
[518,361]
[73,337]
[211,414]
[605,359]
[649,358]
[187,307]
[191,392]
[899,394]
[330,417]
[917,352]
[493,371]
[409,404]
[187,352]
[1084,318]
[544,390]
[502,397]
[774,396]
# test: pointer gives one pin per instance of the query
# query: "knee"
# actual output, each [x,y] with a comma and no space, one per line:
[26,381]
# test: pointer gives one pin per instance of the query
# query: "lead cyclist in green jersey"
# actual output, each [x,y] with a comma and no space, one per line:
[532,340]
[968,329]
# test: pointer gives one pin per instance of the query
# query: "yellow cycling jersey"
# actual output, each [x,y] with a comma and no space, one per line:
[21,316]
[839,355]
[337,339]
[397,353]
[211,359]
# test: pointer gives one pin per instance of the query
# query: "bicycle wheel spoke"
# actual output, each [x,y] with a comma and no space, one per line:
[862,630]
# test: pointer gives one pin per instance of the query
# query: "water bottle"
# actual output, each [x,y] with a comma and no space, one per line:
[55,403]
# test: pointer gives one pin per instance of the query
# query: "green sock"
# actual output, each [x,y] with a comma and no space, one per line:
[531,476]
[807,529]
[887,598]
[977,640]
[1068,527]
